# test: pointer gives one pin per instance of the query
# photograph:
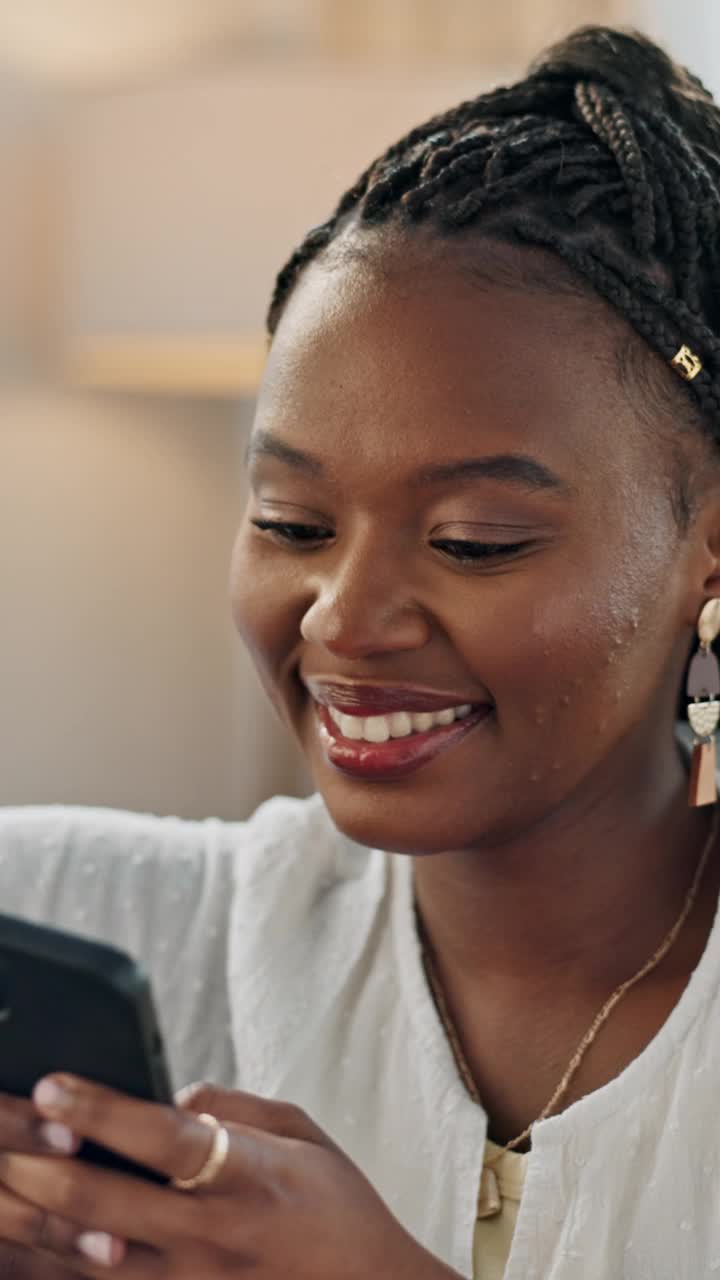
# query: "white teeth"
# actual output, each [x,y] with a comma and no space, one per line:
[376,729]
[350,726]
[400,724]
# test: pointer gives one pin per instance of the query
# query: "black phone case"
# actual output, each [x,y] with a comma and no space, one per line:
[75,1005]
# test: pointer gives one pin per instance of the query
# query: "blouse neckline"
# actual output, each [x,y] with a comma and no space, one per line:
[629,1085]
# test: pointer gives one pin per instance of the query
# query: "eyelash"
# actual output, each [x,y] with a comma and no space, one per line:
[472,552]
[295,534]
[460,550]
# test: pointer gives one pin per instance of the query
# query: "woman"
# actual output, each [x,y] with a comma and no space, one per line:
[484,528]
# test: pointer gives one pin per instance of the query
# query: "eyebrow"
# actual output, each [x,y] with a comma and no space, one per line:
[262,444]
[510,468]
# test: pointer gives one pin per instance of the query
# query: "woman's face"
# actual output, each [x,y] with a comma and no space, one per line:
[455,515]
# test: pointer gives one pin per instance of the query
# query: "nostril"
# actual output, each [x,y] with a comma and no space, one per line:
[364,630]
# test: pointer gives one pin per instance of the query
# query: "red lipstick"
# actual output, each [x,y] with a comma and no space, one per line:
[385,761]
[357,699]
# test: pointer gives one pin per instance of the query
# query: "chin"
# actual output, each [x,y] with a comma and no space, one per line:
[380,816]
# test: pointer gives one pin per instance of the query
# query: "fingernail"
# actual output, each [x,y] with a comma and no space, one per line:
[187,1093]
[51,1096]
[58,1136]
[100,1247]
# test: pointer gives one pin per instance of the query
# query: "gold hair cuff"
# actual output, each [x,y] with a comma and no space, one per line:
[687,363]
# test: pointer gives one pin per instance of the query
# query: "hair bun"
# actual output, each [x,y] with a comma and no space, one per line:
[637,70]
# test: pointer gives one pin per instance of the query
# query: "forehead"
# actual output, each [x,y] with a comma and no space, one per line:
[405,356]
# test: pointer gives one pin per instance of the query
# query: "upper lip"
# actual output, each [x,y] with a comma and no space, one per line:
[356,697]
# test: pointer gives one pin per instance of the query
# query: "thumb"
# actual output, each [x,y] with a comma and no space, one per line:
[283,1119]
[184,1097]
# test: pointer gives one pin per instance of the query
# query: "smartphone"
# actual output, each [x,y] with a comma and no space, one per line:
[75,1005]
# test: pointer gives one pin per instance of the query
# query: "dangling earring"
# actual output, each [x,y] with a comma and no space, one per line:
[703,682]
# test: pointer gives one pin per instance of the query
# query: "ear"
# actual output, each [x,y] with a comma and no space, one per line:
[704,556]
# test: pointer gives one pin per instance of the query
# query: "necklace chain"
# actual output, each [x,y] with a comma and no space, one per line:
[599,1020]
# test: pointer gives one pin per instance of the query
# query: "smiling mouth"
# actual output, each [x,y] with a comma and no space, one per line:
[397,724]
[384,747]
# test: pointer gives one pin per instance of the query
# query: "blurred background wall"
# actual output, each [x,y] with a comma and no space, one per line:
[157,164]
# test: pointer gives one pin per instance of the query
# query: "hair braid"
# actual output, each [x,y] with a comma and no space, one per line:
[607,155]
[602,111]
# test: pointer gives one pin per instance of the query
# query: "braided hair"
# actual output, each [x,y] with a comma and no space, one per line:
[607,155]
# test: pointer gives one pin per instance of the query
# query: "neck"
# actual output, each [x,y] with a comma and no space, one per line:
[595,886]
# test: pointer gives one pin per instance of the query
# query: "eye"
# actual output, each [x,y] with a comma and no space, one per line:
[467,551]
[292,533]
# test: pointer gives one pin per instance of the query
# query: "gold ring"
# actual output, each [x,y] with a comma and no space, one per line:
[215,1161]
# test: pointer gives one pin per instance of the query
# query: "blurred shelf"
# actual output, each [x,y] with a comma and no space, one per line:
[223,367]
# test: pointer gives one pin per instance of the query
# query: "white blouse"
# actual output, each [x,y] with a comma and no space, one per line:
[285,961]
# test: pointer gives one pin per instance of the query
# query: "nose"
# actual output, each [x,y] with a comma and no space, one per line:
[364,606]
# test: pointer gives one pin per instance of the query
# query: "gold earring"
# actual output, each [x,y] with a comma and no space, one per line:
[703,690]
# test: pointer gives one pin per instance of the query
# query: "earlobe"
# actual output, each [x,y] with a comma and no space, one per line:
[704,563]
[713,544]
[711,586]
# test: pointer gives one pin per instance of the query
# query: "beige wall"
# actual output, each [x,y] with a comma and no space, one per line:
[121,679]
[24,170]
[182,201]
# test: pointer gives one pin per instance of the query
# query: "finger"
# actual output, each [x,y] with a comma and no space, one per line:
[24,1223]
[19,1263]
[97,1258]
[183,1097]
[96,1199]
[22,1129]
[172,1140]
[164,1138]
[281,1118]
[192,1263]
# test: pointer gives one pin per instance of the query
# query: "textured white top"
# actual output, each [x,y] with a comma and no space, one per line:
[285,961]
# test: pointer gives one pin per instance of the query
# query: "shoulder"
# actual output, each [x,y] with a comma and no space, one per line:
[285,836]
[295,845]
[309,923]
[95,869]
[90,867]
[303,890]
[70,830]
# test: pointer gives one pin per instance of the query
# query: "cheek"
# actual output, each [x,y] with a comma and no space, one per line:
[584,660]
[262,610]
[571,665]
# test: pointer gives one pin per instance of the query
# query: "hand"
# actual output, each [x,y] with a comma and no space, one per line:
[21,1130]
[286,1203]
[19,1264]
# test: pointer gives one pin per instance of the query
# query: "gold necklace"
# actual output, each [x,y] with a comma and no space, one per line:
[490,1202]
